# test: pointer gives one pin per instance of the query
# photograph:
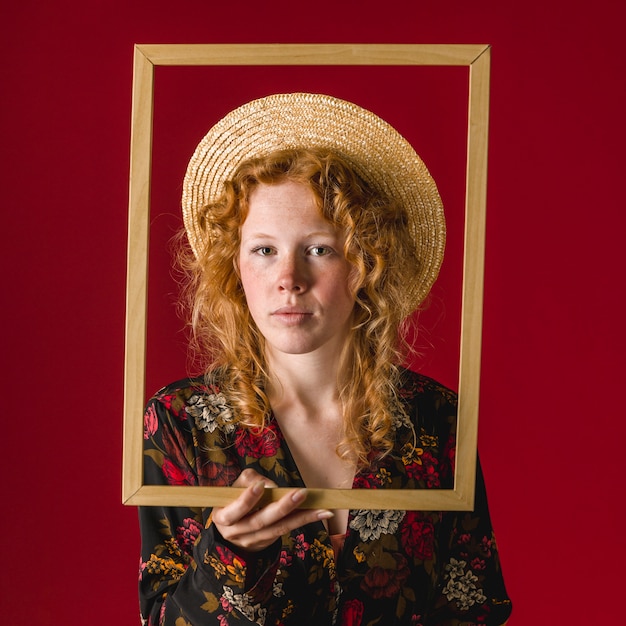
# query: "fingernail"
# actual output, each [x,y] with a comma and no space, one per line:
[257,489]
[299,496]
[325,515]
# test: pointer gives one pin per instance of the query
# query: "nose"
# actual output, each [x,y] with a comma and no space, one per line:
[292,275]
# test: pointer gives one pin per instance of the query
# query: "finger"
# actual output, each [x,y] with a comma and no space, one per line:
[254,534]
[247,501]
[286,510]
[279,518]
[242,506]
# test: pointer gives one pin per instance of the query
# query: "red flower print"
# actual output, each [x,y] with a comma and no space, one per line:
[256,446]
[478,564]
[187,534]
[423,466]
[219,475]
[176,466]
[150,422]
[486,545]
[166,400]
[352,613]
[418,535]
[415,470]
[175,475]
[300,546]
[431,475]
[285,558]
[226,605]
[227,557]
[386,583]
[449,456]
[364,481]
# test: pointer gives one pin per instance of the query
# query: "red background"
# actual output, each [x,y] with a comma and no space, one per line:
[551,428]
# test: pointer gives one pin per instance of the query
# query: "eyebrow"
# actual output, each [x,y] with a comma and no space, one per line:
[311,235]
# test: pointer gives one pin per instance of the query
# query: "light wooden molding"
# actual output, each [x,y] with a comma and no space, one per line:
[146,57]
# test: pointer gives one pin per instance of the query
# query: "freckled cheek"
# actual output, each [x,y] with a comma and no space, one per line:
[252,280]
[338,285]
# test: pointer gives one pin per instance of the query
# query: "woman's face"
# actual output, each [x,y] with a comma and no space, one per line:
[294,272]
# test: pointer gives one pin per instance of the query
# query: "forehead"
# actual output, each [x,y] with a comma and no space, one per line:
[280,190]
[287,200]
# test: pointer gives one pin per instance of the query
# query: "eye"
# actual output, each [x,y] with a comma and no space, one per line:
[319,250]
[263,250]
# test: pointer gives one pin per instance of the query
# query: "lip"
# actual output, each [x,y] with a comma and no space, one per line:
[291,316]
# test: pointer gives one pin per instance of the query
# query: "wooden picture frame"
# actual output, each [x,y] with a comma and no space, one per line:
[146,57]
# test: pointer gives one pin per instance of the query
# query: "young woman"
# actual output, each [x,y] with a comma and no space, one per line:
[315,231]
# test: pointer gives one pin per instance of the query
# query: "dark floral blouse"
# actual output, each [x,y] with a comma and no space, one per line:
[395,567]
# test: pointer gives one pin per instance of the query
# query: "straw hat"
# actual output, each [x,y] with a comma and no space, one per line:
[378,153]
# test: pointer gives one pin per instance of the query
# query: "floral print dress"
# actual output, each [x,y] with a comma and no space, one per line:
[395,567]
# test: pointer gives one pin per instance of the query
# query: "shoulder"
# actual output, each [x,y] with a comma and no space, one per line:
[188,392]
[430,406]
[414,387]
[198,401]
[175,396]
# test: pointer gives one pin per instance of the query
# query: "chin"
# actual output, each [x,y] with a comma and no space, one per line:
[300,349]
[304,347]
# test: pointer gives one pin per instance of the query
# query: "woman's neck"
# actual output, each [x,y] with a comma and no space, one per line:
[305,381]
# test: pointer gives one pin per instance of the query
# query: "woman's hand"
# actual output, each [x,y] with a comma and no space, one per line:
[253,529]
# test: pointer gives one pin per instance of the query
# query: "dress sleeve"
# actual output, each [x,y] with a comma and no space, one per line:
[470,586]
[188,574]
